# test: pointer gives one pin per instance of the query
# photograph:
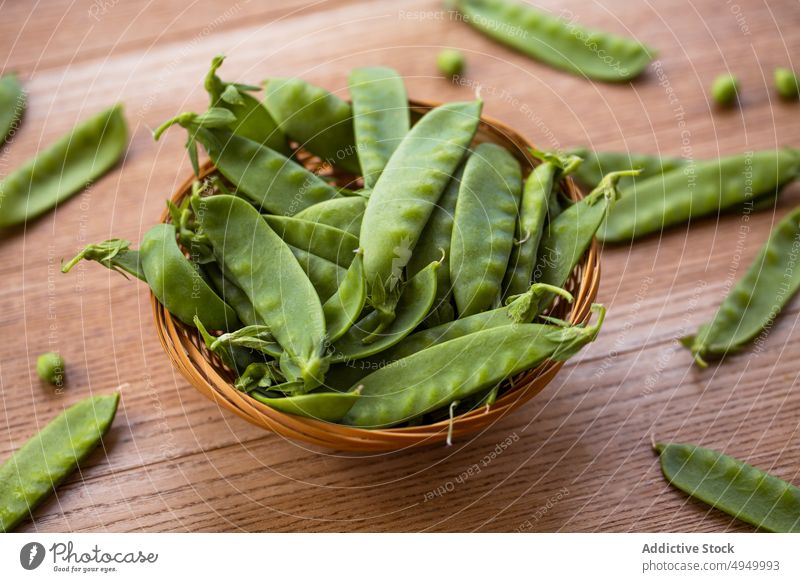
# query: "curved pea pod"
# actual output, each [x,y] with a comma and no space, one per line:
[263,266]
[90,150]
[29,476]
[271,181]
[380,117]
[698,189]
[319,121]
[232,294]
[178,284]
[327,406]
[344,213]
[114,254]
[597,164]
[483,227]
[732,486]
[323,274]
[253,121]
[460,368]
[771,281]
[539,189]
[406,193]
[12,104]
[561,44]
[568,237]
[327,242]
[415,302]
[344,306]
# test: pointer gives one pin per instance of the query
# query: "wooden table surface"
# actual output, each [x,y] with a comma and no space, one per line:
[580,458]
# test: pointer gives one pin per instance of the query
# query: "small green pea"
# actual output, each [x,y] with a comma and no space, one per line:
[786,83]
[450,62]
[50,367]
[725,89]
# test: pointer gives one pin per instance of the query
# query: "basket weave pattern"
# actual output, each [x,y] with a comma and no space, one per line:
[207,374]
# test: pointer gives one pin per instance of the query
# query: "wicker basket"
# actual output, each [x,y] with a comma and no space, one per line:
[207,373]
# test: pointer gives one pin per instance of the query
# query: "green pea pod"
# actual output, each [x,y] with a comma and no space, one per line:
[323,274]
[232,294]
[406,193]
[113,254]
[597,164]
[90,150]
[319,121]
[327,242]
[178,284]
[415,302]
[771,281]
[42,463]
[12,105]
[732,486]
[271,181]
[434,244]
[380,117]
[460,368]
[569,236]
[253,337]
[344,306]
[253,121]
[483,227]
[540,186]
[327,406]
[559,43]
[263,266]
[698,189]
[343,213]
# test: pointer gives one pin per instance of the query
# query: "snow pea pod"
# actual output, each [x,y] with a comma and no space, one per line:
[12,104]
[406,193]
[263,266]
[253,121]
[321,240]
[271,181]
[539,189]
[64,168]
[328,406]
[459,368]
[483,227]
[113,254]
[597,164]
[231,294]
[561,44]
[31,474]
[771,281]
[323,274]
[414,304]
[319,121]
[732,486]
[178,284]
[698,189]
[344,306]
[344,213]
[380,117]
[568,236]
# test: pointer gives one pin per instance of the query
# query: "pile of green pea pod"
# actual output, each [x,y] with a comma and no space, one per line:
[412,296]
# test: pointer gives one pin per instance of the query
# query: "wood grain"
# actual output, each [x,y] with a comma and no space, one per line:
[580,457]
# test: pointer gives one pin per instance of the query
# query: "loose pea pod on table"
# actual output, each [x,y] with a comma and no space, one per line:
[556,42]
[12,104]
[483,227]
[538,200]
[380,117]
[56,173]
[459,368]
[771,281]
[405,195]
[698,189]
[29,476]
[597,164]
[252,120]
[319,121]
[738,489]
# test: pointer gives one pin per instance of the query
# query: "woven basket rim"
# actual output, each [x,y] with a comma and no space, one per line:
[186,350]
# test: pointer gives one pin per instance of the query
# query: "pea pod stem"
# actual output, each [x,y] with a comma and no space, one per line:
[114,254]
